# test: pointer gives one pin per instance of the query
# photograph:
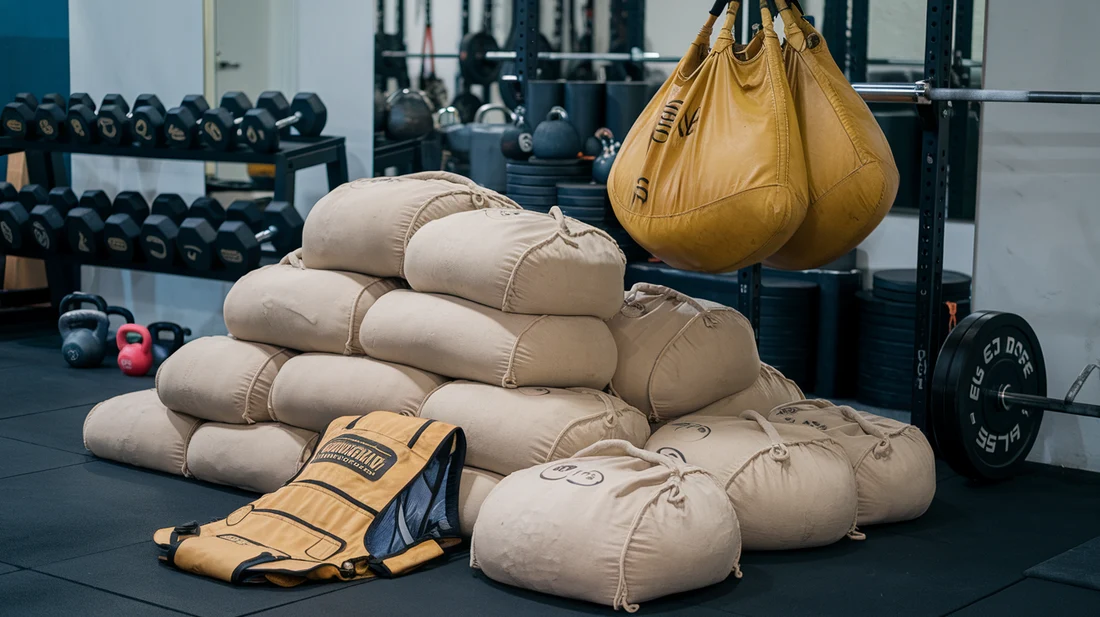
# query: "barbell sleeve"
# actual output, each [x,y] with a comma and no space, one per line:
[1015,399]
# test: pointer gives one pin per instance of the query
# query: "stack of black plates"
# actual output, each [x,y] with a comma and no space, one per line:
[788,328]
[887,333]
[533,184]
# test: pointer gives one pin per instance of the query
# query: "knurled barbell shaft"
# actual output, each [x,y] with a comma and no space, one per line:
[920,92]
[1015,399]
[282,123]
[266,234]
[648,56]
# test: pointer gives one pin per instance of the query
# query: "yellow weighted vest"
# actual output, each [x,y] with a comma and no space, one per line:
[379,497]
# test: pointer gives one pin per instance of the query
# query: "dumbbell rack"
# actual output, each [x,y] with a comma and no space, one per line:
[46,166]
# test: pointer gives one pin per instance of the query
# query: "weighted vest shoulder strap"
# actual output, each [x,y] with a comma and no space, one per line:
[379,497]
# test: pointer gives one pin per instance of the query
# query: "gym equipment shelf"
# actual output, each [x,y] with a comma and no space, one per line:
[292,156]
[218,274]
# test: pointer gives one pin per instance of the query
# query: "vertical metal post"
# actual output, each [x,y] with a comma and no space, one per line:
[857,41]
[834,28]
[748,280]
[635,31]
[933,205]
[525,23]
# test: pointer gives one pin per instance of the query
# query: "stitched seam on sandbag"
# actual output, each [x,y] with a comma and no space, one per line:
[187,445]
[621,589]
[420,407]
[416,218]
[510,371]
[353,334]
[657,361]
[789,444]
[252,385]
[568,427]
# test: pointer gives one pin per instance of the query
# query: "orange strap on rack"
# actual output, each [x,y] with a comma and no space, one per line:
[953,315]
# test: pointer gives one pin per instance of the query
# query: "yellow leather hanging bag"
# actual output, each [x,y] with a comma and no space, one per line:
[712,176]
[852,176]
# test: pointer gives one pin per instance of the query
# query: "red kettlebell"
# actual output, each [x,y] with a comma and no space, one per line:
[134,358]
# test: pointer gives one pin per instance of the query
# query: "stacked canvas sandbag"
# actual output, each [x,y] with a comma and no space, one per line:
[770,389]
[614,525]
[678,354]
[792,485]
[519,261]
[512,429]
[256,457]
[305,309]
[894,465]
[462,339]
[365,225]
[475,486]
[314,389]
[137,429]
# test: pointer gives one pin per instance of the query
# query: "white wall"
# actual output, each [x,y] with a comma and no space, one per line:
[123,46]
[1038,221]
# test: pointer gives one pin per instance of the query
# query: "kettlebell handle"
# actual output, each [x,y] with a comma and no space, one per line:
[74,300]
[146,339]
[491,107]
[83,319]
[559,112]
[178,333]
[120,311]
[392,98]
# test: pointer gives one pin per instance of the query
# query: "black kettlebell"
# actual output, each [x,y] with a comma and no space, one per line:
[601,167]
[164,348]
[592,146]
[381,111]
[517,142]
[83,337]
[555,138]
[127,316]
[410,115]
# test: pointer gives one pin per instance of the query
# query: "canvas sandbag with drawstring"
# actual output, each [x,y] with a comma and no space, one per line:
[365,225]
[221,379]
[770,389]
[465,340]
[313,389]
[309,310]
[614,525]
[519,261]
[852,177]
[258,457]
[712,176]
[792,486]
[893,461]
[475,486]
[677,353]
[508,429]
[378,497]
[137,429]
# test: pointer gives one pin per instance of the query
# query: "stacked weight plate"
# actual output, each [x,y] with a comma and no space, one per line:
[533,184]
[788,328]
[589,202]
[887,333]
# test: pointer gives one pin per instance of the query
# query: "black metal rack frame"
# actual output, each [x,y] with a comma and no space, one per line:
[852,55]
[46,166]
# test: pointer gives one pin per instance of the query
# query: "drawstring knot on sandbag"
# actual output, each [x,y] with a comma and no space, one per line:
[779,451]
[883,447]
[671,295]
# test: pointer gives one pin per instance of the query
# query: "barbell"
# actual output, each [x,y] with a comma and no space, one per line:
[989,395]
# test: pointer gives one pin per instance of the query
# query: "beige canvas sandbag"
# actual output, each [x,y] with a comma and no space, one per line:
[615,525]
[137,429]
[512,429]
[308,310]
[221,379]
[475,486]
[768,391]
[792,486]
[465,340]
[259,457]
[893,462]
[365,225]
[314,389]
[677,354]
[519,261]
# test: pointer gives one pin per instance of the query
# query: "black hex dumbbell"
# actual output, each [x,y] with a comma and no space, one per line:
[49,118]
[260,127]
[47,221]
[115,124]
[80,122]
[158,232]
[17,117]
[15,216]
[121,230]
[219,125]
[181,125]
[238,240]
[84,224]
[195,242]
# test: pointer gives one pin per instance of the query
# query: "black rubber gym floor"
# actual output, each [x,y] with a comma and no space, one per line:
[76,538]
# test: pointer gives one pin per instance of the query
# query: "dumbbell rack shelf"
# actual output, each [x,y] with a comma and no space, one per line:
[293,155]
[46,166]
